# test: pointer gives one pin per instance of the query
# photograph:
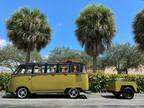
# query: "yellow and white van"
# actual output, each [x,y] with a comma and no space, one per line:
[69,78]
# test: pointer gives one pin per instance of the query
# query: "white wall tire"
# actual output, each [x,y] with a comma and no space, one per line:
[22,93]
[73,93]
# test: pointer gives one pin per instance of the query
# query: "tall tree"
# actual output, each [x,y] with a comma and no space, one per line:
[95,30]
[29,30]
[138,29]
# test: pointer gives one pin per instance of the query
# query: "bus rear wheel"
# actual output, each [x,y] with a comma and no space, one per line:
[73,93]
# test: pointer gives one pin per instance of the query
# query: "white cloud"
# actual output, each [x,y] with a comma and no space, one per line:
[4,42]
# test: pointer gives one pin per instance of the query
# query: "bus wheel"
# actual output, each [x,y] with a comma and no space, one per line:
[128,93]
[22,93]
[73,93]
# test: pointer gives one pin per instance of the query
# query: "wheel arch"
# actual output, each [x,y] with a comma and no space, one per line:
[124,86]
[22,87]
[67,89]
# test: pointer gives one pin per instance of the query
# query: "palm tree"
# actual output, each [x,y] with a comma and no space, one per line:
[28,30]
[95,30]
[138,29]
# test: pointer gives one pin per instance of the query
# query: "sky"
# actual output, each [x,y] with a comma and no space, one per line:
[61,16]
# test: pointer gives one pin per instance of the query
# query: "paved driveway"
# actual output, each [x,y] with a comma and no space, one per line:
[93,100]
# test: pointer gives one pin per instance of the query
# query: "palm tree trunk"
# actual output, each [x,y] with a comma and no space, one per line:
[94,63]
[27,60]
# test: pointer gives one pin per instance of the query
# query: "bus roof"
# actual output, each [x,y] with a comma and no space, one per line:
[50,63]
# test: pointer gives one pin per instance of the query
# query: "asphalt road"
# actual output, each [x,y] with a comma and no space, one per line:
[93,100]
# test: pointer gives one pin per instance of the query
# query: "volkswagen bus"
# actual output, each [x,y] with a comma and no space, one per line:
[69,78]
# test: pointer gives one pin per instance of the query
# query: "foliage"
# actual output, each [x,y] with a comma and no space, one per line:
[95,30]
[61,53]
[35,56]
[11,57]
[124,56]
[138,29]
[85,58]
[4,79]
[28,30]
[101,63]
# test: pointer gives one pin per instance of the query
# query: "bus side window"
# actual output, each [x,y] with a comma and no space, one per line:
[84,69]
[75,68]
[39,69]
[25,70]
[48,69]
[22,70]
[63,68]
[29,70]
[51,68]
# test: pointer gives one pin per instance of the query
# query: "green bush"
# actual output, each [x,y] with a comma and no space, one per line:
[98,82]
[4,79]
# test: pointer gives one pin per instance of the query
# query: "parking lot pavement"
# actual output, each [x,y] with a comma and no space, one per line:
[93,100]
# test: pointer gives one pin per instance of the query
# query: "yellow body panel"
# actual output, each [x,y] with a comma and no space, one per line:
[117,85]
[49,82]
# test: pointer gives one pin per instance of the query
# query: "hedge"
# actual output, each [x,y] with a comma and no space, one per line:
[98,82]
[4,79]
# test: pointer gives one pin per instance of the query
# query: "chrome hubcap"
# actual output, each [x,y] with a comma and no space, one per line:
[22,92]
[73,93]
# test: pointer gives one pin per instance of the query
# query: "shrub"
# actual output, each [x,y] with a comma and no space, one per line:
[4,79]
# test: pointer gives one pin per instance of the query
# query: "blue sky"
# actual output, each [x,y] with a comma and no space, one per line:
[61,15]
